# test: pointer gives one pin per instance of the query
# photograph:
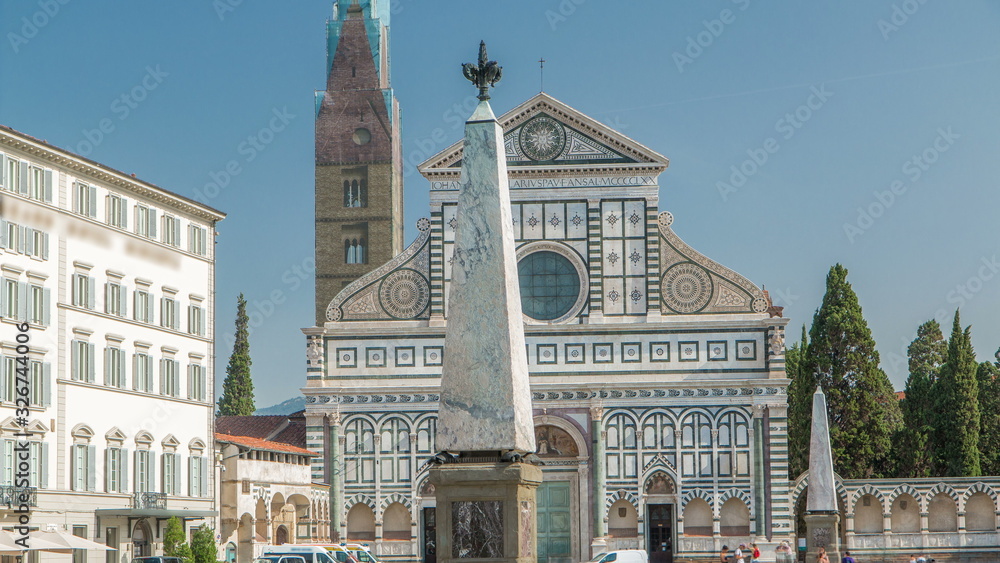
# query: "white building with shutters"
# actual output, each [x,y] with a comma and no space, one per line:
[112,282]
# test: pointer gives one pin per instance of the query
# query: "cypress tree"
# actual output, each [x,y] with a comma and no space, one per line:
[173,537]
[864,413]
[203,548]
[988,375]
[237,390]
[800,392]
[914,448]
[956,405]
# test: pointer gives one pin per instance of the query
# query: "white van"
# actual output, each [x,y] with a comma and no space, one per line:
[622,556]
[311,553]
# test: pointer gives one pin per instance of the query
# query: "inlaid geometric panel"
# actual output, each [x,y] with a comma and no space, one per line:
[347,357]
[433,355]
[659,351]
[718,351]
[604,353]
[746,349]
[576,353]
[631,352]
[688,351]
[405,356]
[546,353]
[375,357]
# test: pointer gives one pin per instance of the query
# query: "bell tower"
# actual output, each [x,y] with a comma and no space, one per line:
[359,172]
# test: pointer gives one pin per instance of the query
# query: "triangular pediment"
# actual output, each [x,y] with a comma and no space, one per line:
[544,133]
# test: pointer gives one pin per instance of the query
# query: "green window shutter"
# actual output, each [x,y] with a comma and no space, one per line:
[23,294]
[123,300]
[107,366]
[3,234]
[124,213]
[3,171]
[47,306]
[107,298]
[177,472]
[48,186]
[45,246]
[108,485]
[152,223]
[191,476]
[74,470]
[151,474]
[74,359]
[20,238]
[93,202]
[91,292]
[91,468]
[23,184]
[90,362]
[46,384]
[44,469]
[204,478]
[123,464]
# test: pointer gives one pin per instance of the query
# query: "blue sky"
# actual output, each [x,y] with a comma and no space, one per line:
[878,120]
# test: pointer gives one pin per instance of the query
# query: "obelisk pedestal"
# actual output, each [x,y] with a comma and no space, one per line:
[822,515]
[485,494]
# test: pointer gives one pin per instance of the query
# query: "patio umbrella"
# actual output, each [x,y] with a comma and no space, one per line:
[9,547]
[62,541]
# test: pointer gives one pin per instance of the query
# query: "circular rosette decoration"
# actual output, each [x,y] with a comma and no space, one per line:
[686,288]
[404,294]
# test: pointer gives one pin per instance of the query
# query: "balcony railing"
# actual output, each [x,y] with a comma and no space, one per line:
[12,496]
[149,500]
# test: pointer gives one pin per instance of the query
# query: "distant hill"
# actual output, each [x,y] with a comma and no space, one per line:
[294,404]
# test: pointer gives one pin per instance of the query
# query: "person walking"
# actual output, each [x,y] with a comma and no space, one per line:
[724,554]
[847,558]
[738,554]
[755,553]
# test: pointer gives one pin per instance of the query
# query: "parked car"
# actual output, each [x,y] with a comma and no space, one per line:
[622,556]
[308,553]
[361,552]
[157,559]
[280,559]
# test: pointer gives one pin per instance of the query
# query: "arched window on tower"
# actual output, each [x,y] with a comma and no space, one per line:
[355,243]
[356,187]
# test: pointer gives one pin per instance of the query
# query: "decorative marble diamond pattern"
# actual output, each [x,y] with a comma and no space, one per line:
[635,257]
[614,296]
[613,257]
[636,295]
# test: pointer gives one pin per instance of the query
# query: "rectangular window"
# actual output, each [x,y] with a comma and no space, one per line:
[114,367]
[196,476]
[81,467]
[82,360]
[40,184]
[13,174]
[169,311]
[113,470]
[143,471]
[143,306]
[12,236]
[115,300]
[117,211]
[9,371]
[34,464]
[142,372]
[9,301]
[36,243]
[145,221]
[196,382]
[83,291]
[36,383]
[169,473]
[8,462]
[197,240]
[196,320]
[169,378]
[171,230]
[85,199]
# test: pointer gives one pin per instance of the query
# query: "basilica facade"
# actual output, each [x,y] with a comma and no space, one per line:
[657,374]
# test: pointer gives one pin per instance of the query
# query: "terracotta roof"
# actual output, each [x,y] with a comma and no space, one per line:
[252,426]
[900,395]
[260,444]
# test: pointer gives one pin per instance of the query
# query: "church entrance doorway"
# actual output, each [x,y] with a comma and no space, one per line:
[554,522]
[660,535]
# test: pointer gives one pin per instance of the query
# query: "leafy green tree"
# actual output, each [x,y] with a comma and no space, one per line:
[956,404]
[864,413]
[173,537]
[237,389]
[988,375]
[800,392]
[184,552]
[203,545]
[915,447]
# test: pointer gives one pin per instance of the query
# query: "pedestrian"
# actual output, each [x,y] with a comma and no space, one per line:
[738,554]
[847,558]
[724,554]
[821,556]
[913,558]
[756,553]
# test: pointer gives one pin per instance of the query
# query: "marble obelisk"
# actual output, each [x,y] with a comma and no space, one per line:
[485,494]
[485,398]
[822,516]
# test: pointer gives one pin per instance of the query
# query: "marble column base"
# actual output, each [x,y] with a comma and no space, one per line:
[598,545]
[823,530]
[486,511]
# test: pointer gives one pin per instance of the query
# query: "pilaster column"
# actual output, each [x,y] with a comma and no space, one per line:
[336,461]
[595,249]
[886,523]
[599,439]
